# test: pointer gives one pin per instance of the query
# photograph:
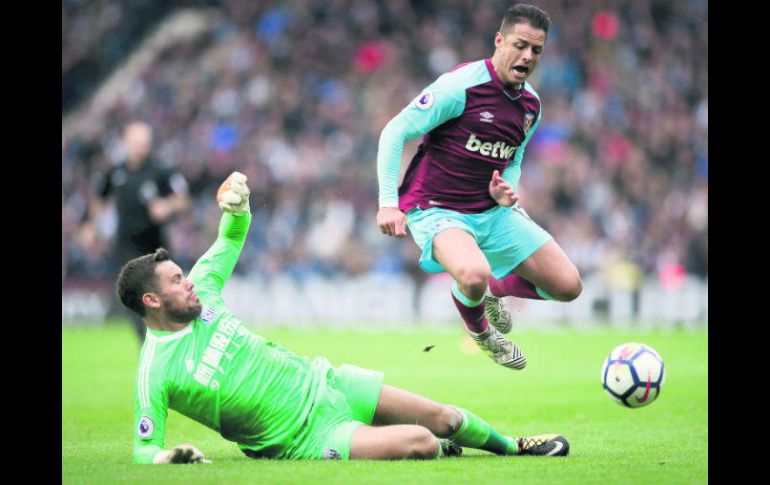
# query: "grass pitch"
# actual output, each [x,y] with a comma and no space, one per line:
[559,391]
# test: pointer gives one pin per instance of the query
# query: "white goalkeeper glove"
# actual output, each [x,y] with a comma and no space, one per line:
[184,453]
[233,195]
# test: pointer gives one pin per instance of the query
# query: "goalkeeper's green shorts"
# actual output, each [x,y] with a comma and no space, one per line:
[346,399]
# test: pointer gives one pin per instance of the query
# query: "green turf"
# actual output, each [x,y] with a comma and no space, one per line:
[559,391]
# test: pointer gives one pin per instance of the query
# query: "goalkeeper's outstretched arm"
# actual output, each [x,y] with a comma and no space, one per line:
[150,412]
[213,269]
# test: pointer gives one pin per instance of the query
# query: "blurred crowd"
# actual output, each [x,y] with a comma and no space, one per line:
[294,94]
[96,35]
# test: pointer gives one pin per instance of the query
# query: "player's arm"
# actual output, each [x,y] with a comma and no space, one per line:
[501,191]
[103,191]
[150,450]
[174,199]
[150,413]
[213,269]
[437,104]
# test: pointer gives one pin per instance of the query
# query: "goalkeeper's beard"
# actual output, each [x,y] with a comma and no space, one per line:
[182,315]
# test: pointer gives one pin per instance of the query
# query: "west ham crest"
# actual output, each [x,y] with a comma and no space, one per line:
[528,122]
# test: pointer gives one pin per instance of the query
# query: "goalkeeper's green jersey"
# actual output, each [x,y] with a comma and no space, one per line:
[217,372]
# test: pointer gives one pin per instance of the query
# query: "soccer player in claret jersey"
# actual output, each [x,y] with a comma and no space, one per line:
[200,360]
[458,195]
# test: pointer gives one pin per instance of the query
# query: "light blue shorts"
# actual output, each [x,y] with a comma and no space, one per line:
[506,235]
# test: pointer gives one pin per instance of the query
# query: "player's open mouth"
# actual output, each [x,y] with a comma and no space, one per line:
[521,69]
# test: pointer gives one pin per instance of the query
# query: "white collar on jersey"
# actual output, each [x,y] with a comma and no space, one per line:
[171,336]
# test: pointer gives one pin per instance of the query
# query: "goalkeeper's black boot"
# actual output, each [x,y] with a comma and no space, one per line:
[450,447]
[543,445]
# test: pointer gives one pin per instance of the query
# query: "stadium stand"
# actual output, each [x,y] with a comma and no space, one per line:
[294,94]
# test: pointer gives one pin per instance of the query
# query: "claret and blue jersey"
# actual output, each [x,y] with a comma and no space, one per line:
[472,125]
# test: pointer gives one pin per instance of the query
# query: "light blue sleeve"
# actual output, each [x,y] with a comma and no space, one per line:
[437,104]
[512,173]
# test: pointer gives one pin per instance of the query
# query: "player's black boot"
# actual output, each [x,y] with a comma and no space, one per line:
[543,445]
[450,447]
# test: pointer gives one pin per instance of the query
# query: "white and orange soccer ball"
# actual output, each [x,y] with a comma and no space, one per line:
[633,374]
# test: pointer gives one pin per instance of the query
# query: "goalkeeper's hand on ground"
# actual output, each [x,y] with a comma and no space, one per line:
[184,453]
[233,194]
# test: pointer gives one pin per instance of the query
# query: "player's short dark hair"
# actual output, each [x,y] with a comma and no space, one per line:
[525,14]
[137,277]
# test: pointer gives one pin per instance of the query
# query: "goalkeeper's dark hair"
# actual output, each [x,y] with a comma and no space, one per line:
[138,277]
[525,14]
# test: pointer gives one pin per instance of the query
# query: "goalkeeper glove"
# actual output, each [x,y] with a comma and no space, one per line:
[233,194]
[184,453]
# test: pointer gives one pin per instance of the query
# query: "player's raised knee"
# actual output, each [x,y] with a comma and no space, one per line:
[423,445]
[568,289]
[445,421]
[473,279]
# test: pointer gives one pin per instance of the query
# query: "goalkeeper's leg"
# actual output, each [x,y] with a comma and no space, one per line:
[397,406]
[400,441]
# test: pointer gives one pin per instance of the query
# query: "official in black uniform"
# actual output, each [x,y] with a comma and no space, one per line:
[147,196]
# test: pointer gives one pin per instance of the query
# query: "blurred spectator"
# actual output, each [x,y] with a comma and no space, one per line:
[294,94]
[146,196]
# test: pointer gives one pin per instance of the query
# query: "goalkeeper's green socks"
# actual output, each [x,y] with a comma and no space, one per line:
[474,432]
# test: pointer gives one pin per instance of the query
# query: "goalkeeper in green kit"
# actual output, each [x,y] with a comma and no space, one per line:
[199,360]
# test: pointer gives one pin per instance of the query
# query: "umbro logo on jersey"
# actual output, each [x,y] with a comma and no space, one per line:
[486,116]
[208,314]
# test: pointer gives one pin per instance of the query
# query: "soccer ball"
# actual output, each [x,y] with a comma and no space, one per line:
[633,374]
